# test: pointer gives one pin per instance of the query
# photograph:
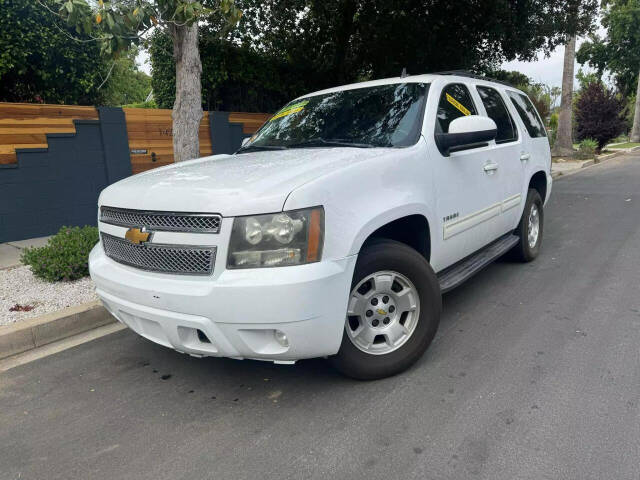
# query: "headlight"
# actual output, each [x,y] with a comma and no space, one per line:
[277,240]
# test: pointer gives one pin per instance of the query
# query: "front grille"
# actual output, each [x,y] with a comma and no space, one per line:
[180,259]
[162,221]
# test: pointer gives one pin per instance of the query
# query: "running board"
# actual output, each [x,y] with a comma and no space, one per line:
[453,276]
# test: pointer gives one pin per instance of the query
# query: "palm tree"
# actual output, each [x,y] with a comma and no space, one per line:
[564,139]
[635,130]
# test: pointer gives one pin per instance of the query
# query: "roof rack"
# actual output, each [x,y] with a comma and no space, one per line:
[466,73]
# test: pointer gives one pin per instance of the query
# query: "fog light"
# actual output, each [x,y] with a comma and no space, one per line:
[281,338]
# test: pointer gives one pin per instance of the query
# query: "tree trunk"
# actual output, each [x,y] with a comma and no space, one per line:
[635,130]
[564,138]
[187,109]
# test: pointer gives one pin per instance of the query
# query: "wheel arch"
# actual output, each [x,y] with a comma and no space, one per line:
[538,182]
[411,229]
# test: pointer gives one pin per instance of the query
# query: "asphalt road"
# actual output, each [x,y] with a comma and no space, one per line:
[534,374]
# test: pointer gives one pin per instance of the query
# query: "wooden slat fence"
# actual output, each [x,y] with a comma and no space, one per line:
[25,125]
[149,131]
[150,137]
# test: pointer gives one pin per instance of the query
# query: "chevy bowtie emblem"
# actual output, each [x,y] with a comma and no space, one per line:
[137,236]
[381,311]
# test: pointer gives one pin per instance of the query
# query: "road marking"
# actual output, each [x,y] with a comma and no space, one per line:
[55,347]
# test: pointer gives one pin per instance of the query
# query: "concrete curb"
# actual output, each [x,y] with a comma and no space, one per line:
[51,327]
[602,158]
[632,149]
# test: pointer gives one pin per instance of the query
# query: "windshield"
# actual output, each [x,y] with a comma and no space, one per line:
[381,116]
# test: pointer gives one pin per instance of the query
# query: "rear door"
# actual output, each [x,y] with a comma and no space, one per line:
[508,153]
[467,183]
[536,154]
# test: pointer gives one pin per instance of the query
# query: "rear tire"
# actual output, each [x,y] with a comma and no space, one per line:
[393,313]
[530,228]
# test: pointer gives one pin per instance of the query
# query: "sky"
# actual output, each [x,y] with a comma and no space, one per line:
[548,70]
[543,70]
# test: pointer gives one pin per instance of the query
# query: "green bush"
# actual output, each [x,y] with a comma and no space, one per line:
[66,255]
[234,78]
[599,114]
[587,149]
[150,104]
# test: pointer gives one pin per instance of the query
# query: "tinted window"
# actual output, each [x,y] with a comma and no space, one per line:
[497,111]
[528,114]
[381,116]
[455,102]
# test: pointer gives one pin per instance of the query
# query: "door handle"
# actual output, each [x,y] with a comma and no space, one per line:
[525,156]
[490,167]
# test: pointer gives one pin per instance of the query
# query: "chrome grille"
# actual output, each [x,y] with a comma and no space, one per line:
[164,258]
[162,221]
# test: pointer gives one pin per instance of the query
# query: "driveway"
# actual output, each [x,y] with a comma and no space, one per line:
[535,373]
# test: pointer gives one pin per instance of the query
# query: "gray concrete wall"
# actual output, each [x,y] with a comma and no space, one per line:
[59,185]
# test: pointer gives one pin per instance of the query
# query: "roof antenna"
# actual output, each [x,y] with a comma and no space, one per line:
[404,72]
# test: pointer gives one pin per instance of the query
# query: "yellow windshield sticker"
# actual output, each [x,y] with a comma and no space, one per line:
[458,105]
[289,109]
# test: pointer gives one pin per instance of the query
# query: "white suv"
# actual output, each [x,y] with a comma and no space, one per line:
[334,230]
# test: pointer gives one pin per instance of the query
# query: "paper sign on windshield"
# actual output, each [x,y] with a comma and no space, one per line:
[289,109]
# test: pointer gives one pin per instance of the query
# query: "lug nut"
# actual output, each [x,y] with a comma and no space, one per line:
[374,301]
[368,313]
[375,322]
[386,320]
[392,309]
[385,299]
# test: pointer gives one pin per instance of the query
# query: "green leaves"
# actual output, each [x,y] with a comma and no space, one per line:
[65,257]
[119,25]
[39,61]
[342,41]
[618,51]
[233,78]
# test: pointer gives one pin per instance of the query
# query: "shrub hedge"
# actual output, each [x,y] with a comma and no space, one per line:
[65,257]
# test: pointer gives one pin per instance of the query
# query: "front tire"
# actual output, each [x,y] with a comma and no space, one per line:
[530,228]
[393,312]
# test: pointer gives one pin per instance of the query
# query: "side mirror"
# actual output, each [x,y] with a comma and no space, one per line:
[245,140]
[467,132]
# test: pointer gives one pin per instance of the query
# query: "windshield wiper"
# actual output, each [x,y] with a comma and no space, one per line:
[258,148]
[337,142]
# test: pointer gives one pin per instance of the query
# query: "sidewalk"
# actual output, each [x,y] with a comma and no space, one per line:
[561,166]
[10,251]
[565,166]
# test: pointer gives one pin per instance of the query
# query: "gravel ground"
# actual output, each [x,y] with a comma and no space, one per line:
[18,286]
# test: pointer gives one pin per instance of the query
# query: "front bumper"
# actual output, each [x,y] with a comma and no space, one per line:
[238,311]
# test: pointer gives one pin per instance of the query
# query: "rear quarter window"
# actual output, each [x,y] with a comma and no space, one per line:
[528,114]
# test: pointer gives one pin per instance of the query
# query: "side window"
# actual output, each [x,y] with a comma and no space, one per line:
[528,114]
[455,102]
[497,111]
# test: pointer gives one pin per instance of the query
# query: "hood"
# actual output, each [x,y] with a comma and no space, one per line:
[232,185]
